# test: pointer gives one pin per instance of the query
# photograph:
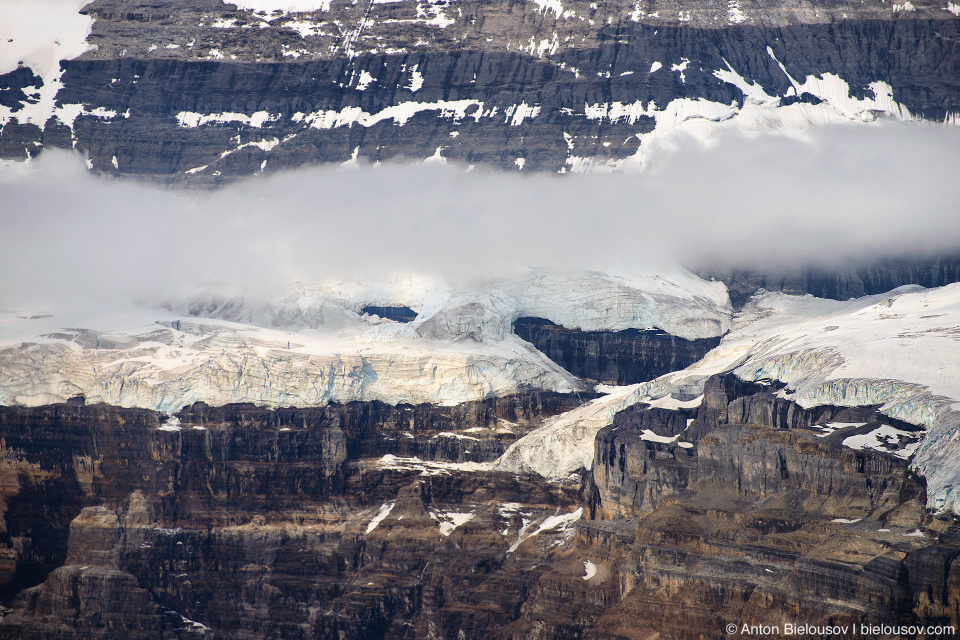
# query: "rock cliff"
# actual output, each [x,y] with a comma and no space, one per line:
[842,283]
[242,522]
[747,512]
[219,91]
[613,357]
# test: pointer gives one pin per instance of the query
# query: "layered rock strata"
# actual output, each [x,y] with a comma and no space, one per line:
[242,522]
[217,91]
[613,357]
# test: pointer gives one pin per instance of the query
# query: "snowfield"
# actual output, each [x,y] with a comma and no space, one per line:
[39,34]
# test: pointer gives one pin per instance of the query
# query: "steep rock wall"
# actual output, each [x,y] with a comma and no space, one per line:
[613,357]
[213,93]
[868,278]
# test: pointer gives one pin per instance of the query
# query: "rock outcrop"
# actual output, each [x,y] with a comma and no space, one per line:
[868,278]
[766,521]
[613,357]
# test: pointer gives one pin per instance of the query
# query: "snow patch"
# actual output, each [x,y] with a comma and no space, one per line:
[650,436]
[589,569]
[449,521]
[550,5]
[171,424]
[399,113]
[562,524]
[416,81]
[887,439]
[734,14]
[516,114]
[384,511]
[190,119]
[365,80]
[427,467]
[305,28]
[39,34]
[283,6]
[564,443]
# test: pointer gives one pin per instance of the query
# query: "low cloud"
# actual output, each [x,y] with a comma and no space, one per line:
[766,201]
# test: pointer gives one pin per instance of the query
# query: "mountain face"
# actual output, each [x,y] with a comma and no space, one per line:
[217,91]
[620,357]
[801,470]
[547,456]
[306,523]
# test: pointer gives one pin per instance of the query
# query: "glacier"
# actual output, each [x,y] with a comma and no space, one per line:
[312,346]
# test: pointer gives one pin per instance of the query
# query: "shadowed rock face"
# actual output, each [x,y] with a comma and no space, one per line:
[265,523]
[212,93]
[842,283]
[738,420]
[250,523]
[398,314]
[613,357]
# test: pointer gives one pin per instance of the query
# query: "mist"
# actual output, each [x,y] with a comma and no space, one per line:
[840,194]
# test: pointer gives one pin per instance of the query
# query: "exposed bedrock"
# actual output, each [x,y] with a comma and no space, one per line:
[58,459]
[255,529]
[327,569]
[240,522]
[469,432]
[491,107]
[613,357]
[397,314]
[744,436]
[761,522]
[842,283]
